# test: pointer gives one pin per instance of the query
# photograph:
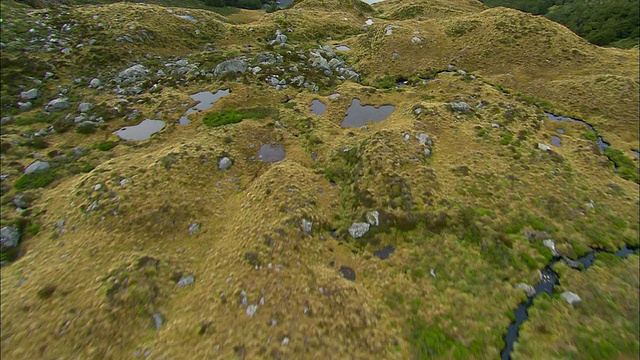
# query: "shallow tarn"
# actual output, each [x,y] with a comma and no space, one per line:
[206,99]
[359,115]
[318,107]
[142,131]
[268,153]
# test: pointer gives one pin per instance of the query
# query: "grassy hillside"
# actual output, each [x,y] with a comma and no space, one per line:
[189,244]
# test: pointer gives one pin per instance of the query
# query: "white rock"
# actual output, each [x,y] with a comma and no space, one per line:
[373,218]
[570,297]
[357,230]
[544,147]
[551,245]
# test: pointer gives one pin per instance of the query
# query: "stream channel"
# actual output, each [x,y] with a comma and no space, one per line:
[548,279]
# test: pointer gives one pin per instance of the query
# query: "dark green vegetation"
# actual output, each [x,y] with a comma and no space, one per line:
[244,4]
[626,167]
[35,180]
[610,22]
[233,116]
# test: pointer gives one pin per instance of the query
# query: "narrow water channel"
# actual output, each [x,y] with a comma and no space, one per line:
[549,279]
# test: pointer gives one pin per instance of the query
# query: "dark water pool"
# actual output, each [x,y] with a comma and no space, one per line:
[359,115]
[142,131]
[318,107]
[205,99]
[268,153]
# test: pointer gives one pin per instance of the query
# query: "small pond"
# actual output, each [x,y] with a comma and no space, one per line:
[556,141]
[359,115]
[343,48]
[384,253]
[560,131]
[318,107]
[205,99]
[268,153]
[142,131]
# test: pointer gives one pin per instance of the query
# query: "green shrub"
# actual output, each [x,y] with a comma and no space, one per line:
[87,168]
[233,116]
[106,145]
[220,118]
[35,180]
[85,129]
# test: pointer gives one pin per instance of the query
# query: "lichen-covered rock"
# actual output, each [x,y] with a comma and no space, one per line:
[134,73]
[570,297]
[527,288]
[30,95]
[230,66]
[9,237]
[36,166]
[224,163]
[461,107]
[57,104]
[357,230]
[373,218]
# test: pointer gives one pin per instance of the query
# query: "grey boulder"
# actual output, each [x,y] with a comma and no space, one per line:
[224,163]
[30,95]
[570,297]
[134,73]
[57,104]
[9,237]
[357,230]
[36,166]
[461,107]
[230,66]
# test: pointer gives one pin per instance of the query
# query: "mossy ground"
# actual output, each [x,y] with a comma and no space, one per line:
[475,211]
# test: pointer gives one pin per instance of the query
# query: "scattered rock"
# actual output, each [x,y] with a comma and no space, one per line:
[84,107]
[224,163]
[57,104]
[157,320]
[461,107]
[23,201]
[251,310]
[188,18]
[570,297]
[94,83]
[280,38]
[30,95]
[544,147]
[25,106]
[572,263]
[551,245]
[132,74]
[193,228]
[306,226]
[9,237]
[230,66]
[36,166]
[373,218]
[425,139]
[186,281]
[48,75]
[495,126]
[527,288]
[357,230]
[347,273]
[416,40]
[285,341]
